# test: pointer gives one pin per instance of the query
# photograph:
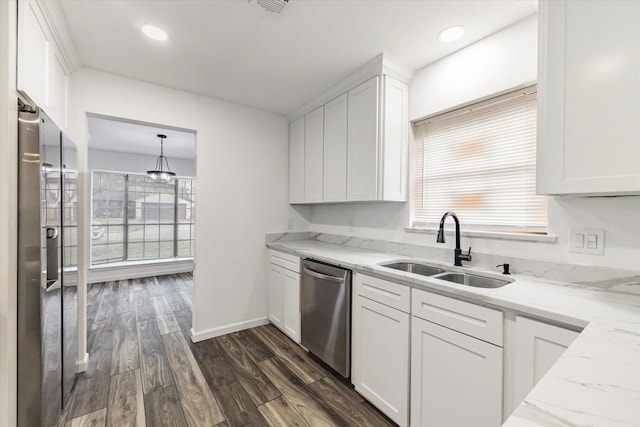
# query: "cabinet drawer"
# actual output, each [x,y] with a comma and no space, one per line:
[388,293]
[290,262]
[471,319]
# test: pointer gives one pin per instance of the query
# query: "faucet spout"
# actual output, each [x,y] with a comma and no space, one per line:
[458,256]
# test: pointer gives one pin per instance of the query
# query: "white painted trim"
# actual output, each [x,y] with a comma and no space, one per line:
[82,364]
[106,272]
[496,235]
[377,66]
[8,212]
[227,329]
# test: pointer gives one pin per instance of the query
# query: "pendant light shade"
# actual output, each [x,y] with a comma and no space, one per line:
[160,174]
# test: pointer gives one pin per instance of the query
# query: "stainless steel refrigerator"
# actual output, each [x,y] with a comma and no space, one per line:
[47,260]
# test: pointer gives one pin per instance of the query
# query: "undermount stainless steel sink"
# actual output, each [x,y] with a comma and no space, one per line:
[473,280]
[467,279]
[416,268]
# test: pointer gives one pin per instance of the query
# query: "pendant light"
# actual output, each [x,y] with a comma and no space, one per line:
[160,174]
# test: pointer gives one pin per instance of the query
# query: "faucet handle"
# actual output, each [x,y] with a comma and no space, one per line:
[467,256]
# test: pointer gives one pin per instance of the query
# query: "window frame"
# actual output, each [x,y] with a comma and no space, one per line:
[159,222]
[479,230]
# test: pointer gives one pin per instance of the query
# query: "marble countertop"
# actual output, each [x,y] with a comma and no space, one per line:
[596,382]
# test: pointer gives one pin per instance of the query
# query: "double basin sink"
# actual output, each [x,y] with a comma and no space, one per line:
[467,279]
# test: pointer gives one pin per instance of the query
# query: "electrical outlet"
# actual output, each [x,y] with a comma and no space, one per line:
[290,224]
[351,223]
[586,240]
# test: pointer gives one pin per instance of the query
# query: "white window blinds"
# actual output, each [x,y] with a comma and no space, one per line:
[480,162]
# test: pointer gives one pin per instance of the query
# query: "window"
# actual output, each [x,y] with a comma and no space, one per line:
[136,219]
[480,162]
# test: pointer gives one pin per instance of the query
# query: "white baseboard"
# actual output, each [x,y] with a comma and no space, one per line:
[82,364]
[227,329]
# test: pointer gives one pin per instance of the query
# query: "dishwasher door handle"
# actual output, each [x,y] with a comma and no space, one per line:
[317,275]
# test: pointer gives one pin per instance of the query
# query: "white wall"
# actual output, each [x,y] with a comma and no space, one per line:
[498,62]
[137,163]
[8,213]
[501,61]
[241,162]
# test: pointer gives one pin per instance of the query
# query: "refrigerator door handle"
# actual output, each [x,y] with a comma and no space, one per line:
[52,256]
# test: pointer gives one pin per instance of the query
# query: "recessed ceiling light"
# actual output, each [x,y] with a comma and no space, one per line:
[451,34]
[154,32]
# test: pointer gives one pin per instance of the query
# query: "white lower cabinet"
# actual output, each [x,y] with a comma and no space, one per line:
[284,293]
[276,303]
[538,346]
[380,359]
[291,304]
[456,379]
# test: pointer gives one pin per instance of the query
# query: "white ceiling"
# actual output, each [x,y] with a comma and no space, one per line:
[237,51]
[126,137]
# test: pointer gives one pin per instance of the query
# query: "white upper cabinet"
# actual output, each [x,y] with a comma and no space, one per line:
[395,140]
[362,157]
[357,139]
[313,155]
[589,98]
[33,52]
[58,90]
[335,150]
[296,161]
[42,69]
[377,141]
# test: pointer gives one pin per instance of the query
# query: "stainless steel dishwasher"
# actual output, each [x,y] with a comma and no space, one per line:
[325,308]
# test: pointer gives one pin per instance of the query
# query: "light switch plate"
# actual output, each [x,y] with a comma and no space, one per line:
[586,240]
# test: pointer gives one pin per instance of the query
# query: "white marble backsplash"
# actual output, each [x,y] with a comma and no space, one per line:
[605,278]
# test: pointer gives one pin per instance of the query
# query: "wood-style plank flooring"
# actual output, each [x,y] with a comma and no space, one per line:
[145,371]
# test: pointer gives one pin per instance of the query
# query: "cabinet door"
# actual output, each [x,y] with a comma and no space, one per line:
[33,52]
[291,297]
[296,161]
[276,281]
[395,140]
[589,98]
[313,155]
[380,348]
[335,150]
[456,380]
[362,143]
[58,90]
[537,347]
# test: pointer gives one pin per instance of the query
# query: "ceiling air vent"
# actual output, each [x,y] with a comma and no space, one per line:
[274,6]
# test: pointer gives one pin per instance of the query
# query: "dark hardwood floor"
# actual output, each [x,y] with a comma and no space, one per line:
[145,371]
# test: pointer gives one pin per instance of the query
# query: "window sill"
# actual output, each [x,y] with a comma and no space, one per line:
[139,263]
[496,235]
